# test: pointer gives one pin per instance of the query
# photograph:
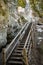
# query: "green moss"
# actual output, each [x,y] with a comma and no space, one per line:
[3,10]
[5,1]
[21,3]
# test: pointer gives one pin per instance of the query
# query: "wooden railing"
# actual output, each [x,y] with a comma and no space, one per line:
[6,52]
[27,46]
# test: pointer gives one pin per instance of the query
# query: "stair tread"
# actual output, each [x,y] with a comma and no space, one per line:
[16,54]
[20,45]
[15,62]
[19,49]
[16,58]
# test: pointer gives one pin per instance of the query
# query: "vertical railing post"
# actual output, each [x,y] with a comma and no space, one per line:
[3,57]
[33,34]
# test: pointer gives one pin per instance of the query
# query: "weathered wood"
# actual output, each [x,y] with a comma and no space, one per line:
[8,50]
[29,35]
[25,58]
[28,43]
[3,57]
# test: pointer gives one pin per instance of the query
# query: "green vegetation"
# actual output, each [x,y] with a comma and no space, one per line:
[37,6]
[3,11]
[21,3]
[5,1]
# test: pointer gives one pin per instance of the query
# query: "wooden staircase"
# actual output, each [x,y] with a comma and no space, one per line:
[20,45]
[16,56]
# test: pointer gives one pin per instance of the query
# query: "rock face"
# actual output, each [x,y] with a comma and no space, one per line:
[3,23]
[40,50]
[3,37]
[16,21]
[9,29]
[39,42]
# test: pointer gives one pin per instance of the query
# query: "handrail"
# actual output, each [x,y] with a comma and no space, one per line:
[6,50]
[24,31]
[29,34]
[16,37]
[27,39]
[28,44]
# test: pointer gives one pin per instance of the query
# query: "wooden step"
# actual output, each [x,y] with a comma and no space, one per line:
[16,54]
[21,46]
[18,51]
[15,63]
[21,43]
[16,58]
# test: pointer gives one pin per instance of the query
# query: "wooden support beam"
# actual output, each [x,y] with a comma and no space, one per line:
[3,57]
[25,58]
